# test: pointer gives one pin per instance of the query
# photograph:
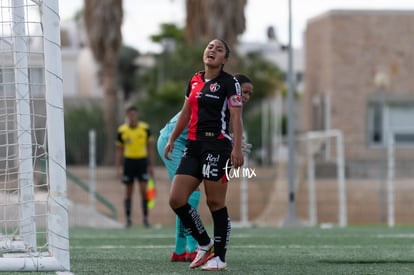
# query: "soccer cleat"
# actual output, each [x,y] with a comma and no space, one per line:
[178,257]
[190,256]
[214,264]
[204,253]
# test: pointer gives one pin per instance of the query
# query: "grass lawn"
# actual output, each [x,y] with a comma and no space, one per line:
[351,250]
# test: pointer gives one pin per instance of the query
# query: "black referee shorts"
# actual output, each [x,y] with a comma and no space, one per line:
[135,169]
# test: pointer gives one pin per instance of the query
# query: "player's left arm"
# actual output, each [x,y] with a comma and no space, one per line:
[235,105]
[237,125]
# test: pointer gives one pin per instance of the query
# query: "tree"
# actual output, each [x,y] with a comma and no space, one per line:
[209,19]
[214,19]
[103,19]
[127,71]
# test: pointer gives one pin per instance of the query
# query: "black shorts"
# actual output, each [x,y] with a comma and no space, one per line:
[206,159]
[135,169]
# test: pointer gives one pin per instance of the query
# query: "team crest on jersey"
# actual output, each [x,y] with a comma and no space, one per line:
[214,87]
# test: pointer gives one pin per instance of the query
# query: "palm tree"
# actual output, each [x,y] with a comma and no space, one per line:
[103,19]
[215,18]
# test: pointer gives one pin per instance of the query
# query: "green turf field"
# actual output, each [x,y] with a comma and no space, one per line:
[352,250]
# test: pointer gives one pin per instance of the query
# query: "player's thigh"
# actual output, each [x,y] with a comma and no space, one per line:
[181,189]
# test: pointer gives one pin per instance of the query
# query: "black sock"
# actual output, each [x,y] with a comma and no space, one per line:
[145,212]
[145,208]
[192,222]
[183,231]
[222,228]
[127,205]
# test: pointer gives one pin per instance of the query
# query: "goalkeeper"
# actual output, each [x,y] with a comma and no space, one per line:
[185,244]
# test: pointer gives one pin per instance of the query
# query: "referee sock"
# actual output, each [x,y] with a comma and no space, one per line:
[127,206]
[222,228]
[145,212]
[192,222]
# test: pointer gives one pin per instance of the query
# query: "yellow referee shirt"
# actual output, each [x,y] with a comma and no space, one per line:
[134,140]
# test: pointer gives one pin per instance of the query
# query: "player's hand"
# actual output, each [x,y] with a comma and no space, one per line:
[237,158]
[168,150]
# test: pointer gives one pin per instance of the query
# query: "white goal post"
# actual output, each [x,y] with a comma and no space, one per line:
[34,231]
[314,140]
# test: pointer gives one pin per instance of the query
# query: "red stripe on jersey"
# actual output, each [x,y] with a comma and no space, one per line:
[196,85]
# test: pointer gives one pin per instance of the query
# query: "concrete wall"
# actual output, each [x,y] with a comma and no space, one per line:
[345,49]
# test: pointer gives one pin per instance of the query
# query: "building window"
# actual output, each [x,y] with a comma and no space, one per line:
[393,119]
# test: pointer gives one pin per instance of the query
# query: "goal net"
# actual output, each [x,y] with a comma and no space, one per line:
[318,144]
[33,206]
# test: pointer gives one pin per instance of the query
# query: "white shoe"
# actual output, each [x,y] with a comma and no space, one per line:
[214,264]
[204,253]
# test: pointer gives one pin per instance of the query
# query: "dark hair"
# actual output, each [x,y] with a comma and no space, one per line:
[242,78]
[132,108]
[226,46]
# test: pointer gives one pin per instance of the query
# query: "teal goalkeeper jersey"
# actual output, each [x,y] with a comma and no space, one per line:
[169,127]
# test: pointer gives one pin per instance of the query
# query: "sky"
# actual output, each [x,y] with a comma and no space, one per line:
[142,18]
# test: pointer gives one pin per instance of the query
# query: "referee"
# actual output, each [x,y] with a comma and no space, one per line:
[135,151]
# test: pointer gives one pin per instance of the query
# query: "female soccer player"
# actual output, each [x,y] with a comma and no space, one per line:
[185,245]
[213,101]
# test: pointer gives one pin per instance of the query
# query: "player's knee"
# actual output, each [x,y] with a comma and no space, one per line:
[214,204]
[175,202]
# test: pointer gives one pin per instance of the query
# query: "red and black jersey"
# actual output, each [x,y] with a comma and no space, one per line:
[210,102]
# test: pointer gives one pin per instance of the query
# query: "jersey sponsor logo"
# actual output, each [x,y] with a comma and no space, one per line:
[213,159]
[214,87]
[213,96]
[235,101]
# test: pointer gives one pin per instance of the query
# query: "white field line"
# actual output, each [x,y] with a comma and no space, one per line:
[252,246]
[160,246]
[399,236]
